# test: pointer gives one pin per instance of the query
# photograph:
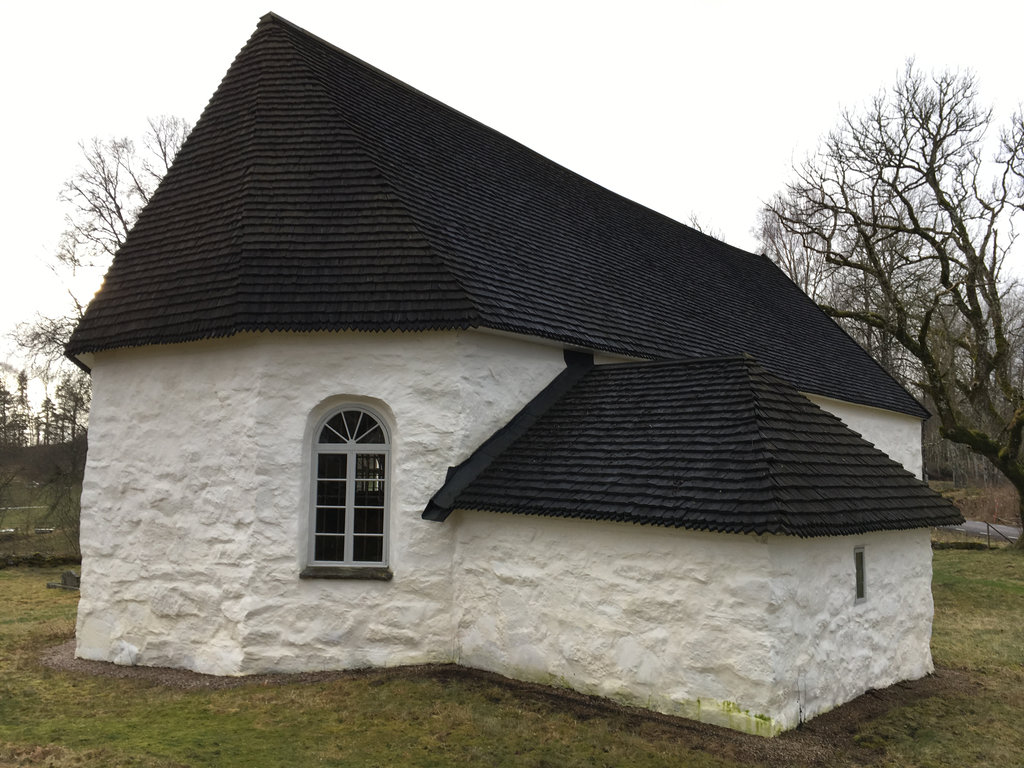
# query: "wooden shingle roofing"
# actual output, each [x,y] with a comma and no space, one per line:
[318,193]
[714,445]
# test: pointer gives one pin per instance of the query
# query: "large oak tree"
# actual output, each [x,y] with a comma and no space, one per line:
[906,213]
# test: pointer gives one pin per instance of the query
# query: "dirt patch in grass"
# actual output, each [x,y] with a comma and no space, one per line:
[827,740]
[831,739]
[62,657]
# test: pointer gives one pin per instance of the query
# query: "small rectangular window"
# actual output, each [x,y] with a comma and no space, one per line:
[858,565]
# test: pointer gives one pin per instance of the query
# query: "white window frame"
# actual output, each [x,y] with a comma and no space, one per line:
[348,567]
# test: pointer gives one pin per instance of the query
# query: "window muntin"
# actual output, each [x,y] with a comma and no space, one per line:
[350,490]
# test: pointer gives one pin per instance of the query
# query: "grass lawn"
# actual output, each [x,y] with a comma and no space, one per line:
[969,714]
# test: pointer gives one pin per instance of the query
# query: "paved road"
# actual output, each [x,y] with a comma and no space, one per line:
[982,530]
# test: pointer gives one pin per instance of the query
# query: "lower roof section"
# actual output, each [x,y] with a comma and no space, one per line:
[715,445]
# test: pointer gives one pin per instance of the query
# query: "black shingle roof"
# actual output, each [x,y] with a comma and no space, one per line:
[715,445]
[317,193]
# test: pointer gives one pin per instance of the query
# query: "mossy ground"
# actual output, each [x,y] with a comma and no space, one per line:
[967,715]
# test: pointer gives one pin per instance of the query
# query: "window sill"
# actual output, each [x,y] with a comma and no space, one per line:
[346,572]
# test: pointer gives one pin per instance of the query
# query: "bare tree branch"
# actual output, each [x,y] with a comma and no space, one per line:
[104,198]
[897,204]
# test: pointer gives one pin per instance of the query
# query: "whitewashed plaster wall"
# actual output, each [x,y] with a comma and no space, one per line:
[897,434]
[195,515]
[196,495]
[650,616]
[829,648]
[754,633]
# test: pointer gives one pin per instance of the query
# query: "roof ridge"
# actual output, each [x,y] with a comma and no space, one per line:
[781,509]
[270,16]
[429,235]
[245,194]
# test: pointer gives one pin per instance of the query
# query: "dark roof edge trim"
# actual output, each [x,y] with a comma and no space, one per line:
[577,365]
[149,339]
[815,531]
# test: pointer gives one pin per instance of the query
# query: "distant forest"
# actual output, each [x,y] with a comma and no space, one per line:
[60,418]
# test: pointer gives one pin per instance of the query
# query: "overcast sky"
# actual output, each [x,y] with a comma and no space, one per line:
[689,108]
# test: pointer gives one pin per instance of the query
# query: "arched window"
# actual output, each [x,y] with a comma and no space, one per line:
[351,463]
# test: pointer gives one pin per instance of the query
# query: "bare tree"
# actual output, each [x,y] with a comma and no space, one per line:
[104,198]
[704,227]
[107,193]
[806,267]
[903,203]
[829,285]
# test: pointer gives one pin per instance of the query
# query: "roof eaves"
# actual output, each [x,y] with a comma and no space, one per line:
[739,527]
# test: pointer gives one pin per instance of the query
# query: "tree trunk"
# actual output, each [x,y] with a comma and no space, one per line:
[1019,544]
